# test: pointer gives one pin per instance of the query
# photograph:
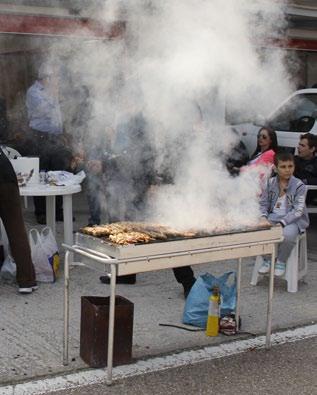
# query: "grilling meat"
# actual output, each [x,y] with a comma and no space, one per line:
[130,238]
[134,232]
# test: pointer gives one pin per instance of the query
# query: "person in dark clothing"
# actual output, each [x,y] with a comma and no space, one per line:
[130,172]
[306,163]
[11,216]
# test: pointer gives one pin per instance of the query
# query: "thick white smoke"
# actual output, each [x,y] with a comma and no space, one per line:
[179,63]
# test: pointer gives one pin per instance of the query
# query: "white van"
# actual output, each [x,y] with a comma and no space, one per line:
[295,116]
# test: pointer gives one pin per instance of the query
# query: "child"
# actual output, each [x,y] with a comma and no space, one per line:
[283,202]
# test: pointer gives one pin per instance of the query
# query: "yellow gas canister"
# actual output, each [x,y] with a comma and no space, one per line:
[212,328]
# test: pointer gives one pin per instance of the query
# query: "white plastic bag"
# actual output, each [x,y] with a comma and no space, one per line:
[8,269]
[43,268]
[50,247]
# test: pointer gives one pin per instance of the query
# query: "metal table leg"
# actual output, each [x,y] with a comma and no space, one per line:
[238,292]
[113,281]
[68,221]
[270,301]
[66,308]
[50,213]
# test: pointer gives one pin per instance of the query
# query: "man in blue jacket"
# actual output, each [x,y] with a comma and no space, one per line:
[47,140]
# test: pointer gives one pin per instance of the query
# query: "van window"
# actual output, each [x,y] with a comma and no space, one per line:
[297,115]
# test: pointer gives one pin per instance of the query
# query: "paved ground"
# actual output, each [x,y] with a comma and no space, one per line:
[255,372]
[31,326]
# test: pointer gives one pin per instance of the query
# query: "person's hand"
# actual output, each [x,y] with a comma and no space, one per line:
[77,161]
[94,166]
[264,222]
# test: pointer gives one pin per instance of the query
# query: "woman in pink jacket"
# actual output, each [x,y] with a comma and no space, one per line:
[266,148]
[262,159]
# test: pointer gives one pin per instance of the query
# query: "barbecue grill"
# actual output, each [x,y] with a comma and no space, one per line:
[102,255]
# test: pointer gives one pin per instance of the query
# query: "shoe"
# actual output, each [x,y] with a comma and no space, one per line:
[265,267]
[128,279]
[28,289]
[188,287]
[41,219]
[279,269]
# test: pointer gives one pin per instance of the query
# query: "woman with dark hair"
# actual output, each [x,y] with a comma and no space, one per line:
[266,148]
[262,159]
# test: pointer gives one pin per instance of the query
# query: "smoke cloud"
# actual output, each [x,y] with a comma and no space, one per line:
[179,63]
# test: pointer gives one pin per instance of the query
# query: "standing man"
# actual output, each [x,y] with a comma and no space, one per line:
[46,135]
[306,163]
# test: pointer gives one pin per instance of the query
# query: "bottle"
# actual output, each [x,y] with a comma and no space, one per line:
[42,176]
[212,328]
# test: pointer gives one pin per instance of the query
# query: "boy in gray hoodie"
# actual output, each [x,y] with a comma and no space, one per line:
[283,202]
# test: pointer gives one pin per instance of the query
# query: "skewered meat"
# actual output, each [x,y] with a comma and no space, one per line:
[103,230]
[130,238]
[134,232]
[140,232]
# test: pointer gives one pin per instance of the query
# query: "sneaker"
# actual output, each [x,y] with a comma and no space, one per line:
[265,267]
[27,290]
[279,269]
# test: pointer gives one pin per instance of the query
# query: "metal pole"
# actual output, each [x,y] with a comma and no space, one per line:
[68,221]
[113,280]
[238,292]
[66,308]
[270,301]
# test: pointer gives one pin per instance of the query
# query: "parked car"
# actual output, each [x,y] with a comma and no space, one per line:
[296,115]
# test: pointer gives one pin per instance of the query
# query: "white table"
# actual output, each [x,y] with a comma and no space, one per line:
[50,192]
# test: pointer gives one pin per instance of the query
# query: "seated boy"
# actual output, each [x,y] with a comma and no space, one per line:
[283,202]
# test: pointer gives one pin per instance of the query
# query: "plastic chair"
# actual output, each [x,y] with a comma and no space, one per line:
[11,153]
[296,265]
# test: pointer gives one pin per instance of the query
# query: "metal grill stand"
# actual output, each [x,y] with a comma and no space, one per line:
[100,255]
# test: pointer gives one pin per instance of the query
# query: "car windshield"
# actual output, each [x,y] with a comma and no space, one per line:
[299,110]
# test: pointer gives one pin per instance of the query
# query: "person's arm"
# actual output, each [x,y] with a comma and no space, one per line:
[267,158]
[311,178]
[298,207]
[264,201]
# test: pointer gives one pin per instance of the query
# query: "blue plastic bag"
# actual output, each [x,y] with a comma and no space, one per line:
[196,306]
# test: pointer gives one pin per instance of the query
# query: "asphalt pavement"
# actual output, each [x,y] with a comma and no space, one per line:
[32,326]
[286,369]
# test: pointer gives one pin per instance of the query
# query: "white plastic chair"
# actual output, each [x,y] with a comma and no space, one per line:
[296,265]
[11,153]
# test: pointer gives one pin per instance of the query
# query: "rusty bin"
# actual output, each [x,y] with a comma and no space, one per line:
[94,330]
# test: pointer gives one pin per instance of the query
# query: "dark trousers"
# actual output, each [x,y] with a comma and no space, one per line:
[11,215]
[94,184]
[184,275]
[53,156]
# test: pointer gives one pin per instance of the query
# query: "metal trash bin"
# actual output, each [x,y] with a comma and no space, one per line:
[94,330]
